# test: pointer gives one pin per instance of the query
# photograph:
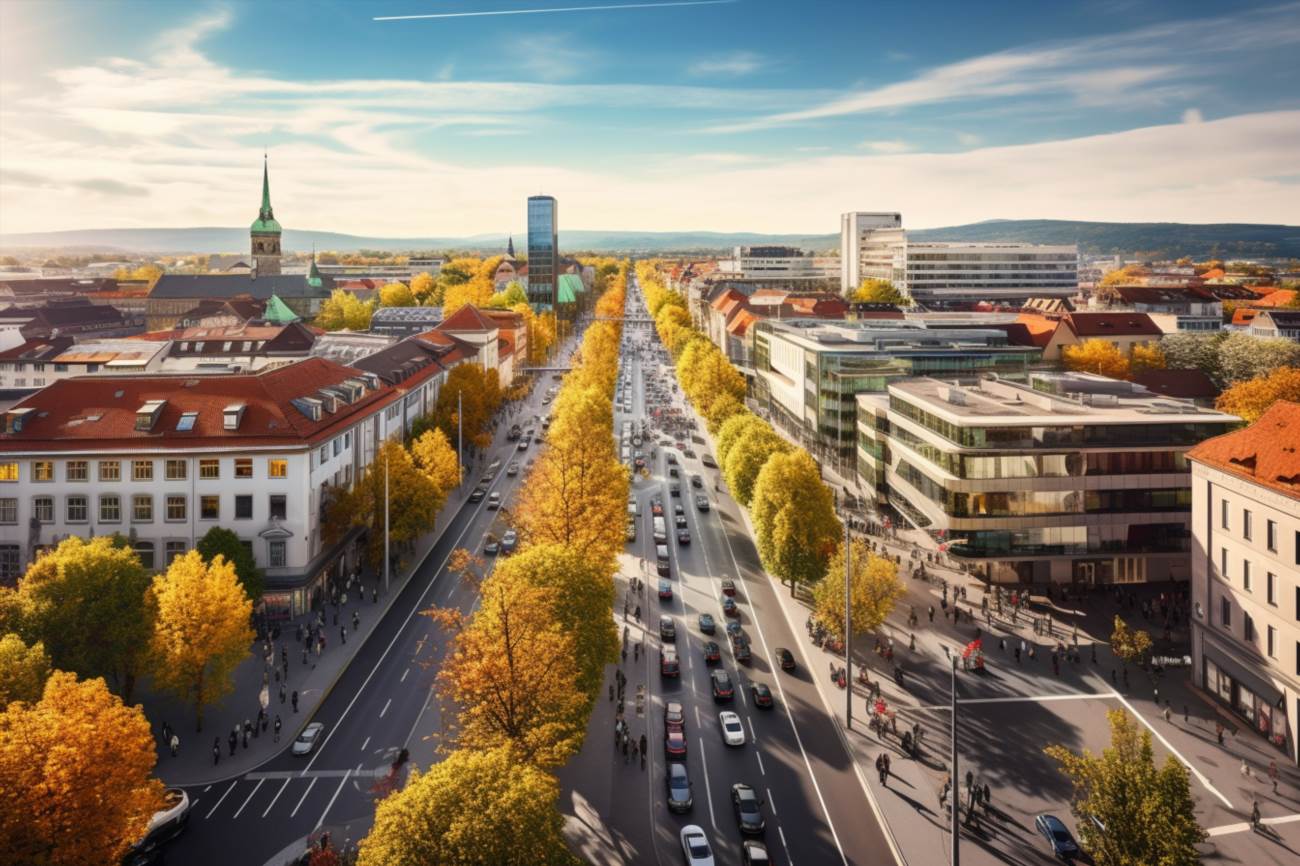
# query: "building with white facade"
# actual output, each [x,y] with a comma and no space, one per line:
[774,266]
[866,239]
[1246,574]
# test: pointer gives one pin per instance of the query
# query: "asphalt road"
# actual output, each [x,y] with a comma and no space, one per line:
[815,808]
[383,702]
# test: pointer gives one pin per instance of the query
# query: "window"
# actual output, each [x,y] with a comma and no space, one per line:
[1245,523]
[10,562]
[210,470]
[1223,513]
[176,470]
[324,454]
[1245,574]
[142,470]
[1270,586]
[77,470]
[144,550]
[174,549]
[278,506]
[43,509]
[243,467]
[8,471]
[244,507]
[1248,627]
[186,422]
[1225,612]
[176,507]
[209,507]
[277,468]
[42,470]
[78,509]
[110,470]
[276,554]
[1270,535]
[1223,563]
[110,508]
[1272,642]
[338,447]
[142,508]
[8,511]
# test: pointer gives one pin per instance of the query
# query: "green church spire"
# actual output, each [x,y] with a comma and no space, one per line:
[265,222]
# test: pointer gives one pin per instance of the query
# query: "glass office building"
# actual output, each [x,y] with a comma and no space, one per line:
[543,251]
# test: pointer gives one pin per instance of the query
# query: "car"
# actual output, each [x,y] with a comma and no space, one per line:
[523,445]
[723,690]
[671,457]
[669,666]
[632,507]
[665,589]
[679,787]
[529,464]
[712,653]
[491,546]
[494,501]
[512,469]
[309,738]
[673,473]
[689,453]
[675,744]
[707,460]
[735,630]
[702,502]
[667,629]
[680,521]
[683,536]
[754,853]
[674,716]
[657,507]
[762,695]
[695,846]
[165,825]
[728,586]
[740,649]
[630,533]
[706,623]
[679,510]
[509,541]
[697,482]
[1057,836]
[477,494]
[546,401]
[729,606]
[784,658]
[749,809]
[733,732]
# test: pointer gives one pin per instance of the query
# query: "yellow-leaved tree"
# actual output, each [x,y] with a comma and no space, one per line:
[794,518]
[874,589]
[1146,356]
[731,432]
[1250,399]
[202,631]
[23,670]
[474,808]
[345,310]
[874,291]
[76,776]
[434,455]
[1096,356]
[422,288]
[746,458]
[396,295]
[413,503]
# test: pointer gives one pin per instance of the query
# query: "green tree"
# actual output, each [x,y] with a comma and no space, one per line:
[1148,814]
[86,602]
[794,518]
[873,291]
[23,670]
[875,588]
[746,458]
[474,808]
[218,541]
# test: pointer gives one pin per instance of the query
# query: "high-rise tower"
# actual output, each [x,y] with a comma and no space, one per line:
[265,233]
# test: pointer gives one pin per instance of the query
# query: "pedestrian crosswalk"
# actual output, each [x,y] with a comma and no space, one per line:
[287,793]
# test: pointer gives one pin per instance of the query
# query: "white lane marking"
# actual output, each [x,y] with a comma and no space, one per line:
[208,788]
[303,797]
[330,804]
[708,789]
[276,797]
[759,755]
[770,802]
[366,743]
[1242,827]
[246,799]
[223,797]
[781,833]
[416,608]
[750,721]
[1168,745]
[404,673]
[385,709]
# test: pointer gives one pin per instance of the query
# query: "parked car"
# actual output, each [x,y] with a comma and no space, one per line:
[509,541]
[1057,836]
[707,460]
[491,546]
[309,738]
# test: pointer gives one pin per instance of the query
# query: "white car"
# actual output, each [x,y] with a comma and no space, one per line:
[733,732]
[307,740]
[695,846]
[509,541]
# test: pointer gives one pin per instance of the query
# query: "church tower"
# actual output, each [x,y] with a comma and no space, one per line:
[265,233]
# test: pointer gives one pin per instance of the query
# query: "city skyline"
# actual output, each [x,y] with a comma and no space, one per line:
[702,114]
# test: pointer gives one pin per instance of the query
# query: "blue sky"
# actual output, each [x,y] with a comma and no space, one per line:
[763,115]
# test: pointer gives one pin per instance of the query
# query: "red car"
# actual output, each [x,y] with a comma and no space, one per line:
[675,744]
[728,586]
[712,654]
[665,589]
[674,717]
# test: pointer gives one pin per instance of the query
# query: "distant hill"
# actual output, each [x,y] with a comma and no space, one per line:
[1223,240]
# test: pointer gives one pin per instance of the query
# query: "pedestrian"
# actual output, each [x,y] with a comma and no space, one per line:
[987,798]
[1017,651]
[1254,814]
[294,700]
[175,743]
[931,613]
[248,729]
[1272,774]
[216,751]
[282,692]
[625,747]
[166,732]
[1218,731]
[1184,714]
[1167,714]
[266,720]
[1245,769]
[277,728]
[233,739]
[356,620]
[880,768]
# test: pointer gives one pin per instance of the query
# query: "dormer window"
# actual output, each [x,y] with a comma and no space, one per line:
[147,415]
[232,415]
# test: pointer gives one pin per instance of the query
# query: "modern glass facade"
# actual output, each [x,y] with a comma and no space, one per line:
[543,251]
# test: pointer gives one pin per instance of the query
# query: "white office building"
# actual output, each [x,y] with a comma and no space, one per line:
[865,240]
[773,265]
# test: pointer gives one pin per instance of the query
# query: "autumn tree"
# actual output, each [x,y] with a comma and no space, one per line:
[1146,356]
[1129,812]
[422,288]
[23,670]
[342,310]
[413,503]
[1096,356]
[874,589]
[436,458]
[474,808]
[477,292]
[218,541]
[731,432]
[1249,400]
[76,783]
[794,518]
[86,601]
[479,394]
[874,291]
[512,672]
[748,456]
[202,632]
[396,295]
[1129,645]
[721,408]
[1187,351]
[1244,357]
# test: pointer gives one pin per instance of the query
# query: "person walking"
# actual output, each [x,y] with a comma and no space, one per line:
[1218,732]
[277,728]
[233,739]
[356,620]
[643,748]
[282,692]
[294,700]
[1168,714]
[216,751]
[1245,769]
[175,743]
[166,733]
[343,633]
[248,729]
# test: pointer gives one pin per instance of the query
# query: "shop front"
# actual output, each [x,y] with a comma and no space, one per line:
[1258,703]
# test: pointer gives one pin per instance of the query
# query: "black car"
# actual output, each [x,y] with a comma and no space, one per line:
[702,502]
[680,521]
[675,489]
[740,649]
[697,482]
[708,461]
[477,494]
[748,808]
[712,653]
[723,690]
[784,658]
[754,853]
[762,695]
[1057,836]
[683,536]
[667,629]
[679,788]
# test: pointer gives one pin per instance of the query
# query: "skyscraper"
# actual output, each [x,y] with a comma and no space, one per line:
[543,251]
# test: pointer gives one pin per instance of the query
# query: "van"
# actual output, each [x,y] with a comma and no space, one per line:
[660,530]
[661,560]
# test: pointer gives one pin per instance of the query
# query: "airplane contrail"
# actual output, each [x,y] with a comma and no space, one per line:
[553,9]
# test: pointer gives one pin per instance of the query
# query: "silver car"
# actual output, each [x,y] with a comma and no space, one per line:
[309,738]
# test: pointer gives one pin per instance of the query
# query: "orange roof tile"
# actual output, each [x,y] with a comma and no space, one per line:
[1267,452]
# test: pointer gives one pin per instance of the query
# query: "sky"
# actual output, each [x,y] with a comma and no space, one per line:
[728,115]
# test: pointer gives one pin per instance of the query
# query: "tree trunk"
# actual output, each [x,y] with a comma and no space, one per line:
[198,703]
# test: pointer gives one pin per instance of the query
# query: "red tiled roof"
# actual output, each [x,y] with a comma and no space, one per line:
[1212,274]
[1143,294]
[1244,315]
[1267,452]
[1040,329]
[739,324]
[729,296]
[62,411]
[1087,325]
[1280,298]
[467,318]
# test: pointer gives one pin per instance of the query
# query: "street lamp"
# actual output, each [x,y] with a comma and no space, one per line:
[848,631]
[956,830]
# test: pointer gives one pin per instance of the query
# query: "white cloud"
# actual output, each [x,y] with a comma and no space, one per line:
[969,139]
[735,63]
[1193,115]
[888,146]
